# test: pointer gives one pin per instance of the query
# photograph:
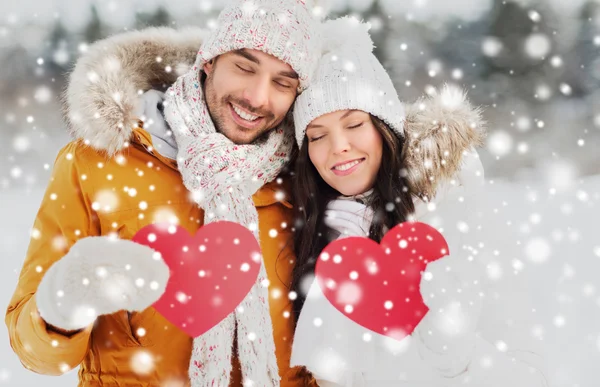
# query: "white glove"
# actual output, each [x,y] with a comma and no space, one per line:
[348,217]
[98,276]
[447,332]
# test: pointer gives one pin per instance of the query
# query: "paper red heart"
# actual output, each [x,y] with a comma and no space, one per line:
[210,273]
[359,274]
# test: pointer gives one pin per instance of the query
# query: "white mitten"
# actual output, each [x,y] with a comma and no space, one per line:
[447,332]
[348,217]
[100,275]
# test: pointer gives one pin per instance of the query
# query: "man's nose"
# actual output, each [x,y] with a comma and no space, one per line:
[257,92]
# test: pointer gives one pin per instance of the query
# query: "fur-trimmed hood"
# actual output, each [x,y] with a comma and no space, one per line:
[440,129]
[106,84]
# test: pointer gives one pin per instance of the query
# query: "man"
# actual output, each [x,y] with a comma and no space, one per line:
[84,292]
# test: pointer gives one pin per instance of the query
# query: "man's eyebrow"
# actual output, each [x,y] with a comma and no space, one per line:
[289,74]
[247,55]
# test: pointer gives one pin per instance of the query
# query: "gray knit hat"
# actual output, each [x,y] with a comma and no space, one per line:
[286,29]
[348,76]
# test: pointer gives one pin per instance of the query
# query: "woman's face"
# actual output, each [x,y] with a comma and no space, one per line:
[345,148]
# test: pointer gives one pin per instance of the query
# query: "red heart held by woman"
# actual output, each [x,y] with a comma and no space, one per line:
[377,285]
[210,273]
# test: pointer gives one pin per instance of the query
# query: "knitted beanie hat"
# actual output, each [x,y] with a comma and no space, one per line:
[348,76]
[287,29]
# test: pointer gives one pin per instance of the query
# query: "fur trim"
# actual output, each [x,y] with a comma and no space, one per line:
[438,130]
[105,85]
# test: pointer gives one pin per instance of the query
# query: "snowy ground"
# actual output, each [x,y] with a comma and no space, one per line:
[549,238]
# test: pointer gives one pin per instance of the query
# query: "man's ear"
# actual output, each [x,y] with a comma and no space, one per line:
[209,66]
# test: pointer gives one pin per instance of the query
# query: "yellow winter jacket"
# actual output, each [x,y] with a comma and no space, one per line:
[90,195]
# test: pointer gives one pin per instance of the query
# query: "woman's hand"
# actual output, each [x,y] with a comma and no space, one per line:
[446,335]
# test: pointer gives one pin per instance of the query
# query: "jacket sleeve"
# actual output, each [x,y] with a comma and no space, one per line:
[65,215]
[505,352]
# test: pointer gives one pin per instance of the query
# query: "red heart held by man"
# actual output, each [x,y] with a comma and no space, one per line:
[377,285]
[210,273]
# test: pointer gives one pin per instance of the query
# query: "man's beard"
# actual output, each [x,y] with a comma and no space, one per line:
[210,97]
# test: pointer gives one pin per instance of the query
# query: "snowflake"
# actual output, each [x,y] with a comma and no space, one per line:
[538,45]
[4,375]
[556,61]
[491,46]
[538,250]
[105,201]
[396,342]
[543,92]
[142,362]
[535,16]
[500,143]
[349,293]
[328,363]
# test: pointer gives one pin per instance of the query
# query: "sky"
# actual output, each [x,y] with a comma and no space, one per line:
[121,12]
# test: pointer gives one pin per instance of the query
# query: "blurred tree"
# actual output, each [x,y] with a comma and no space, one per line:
[157,19]
[59,51]
[460,49]
[583,74]
[380,30]
[58,34]
[16,65]
[94,30]
[521,38]
[510,24]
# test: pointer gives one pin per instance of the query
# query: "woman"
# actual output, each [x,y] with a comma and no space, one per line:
[363,168]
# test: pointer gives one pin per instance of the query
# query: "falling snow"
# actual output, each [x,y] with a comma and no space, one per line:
[142,362]
[541,154]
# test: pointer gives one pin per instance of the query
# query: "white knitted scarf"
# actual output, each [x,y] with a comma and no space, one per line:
[223,177]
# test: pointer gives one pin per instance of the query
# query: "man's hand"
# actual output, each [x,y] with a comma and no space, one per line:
[98,276]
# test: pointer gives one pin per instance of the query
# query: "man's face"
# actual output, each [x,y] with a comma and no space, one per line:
[248,93]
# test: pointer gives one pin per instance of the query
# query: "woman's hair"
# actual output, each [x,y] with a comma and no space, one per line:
[391,202]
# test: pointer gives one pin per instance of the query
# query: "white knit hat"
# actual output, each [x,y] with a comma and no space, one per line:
[286,29]
[348,76]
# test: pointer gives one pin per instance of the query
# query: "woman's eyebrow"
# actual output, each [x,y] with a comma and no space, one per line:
[347,114]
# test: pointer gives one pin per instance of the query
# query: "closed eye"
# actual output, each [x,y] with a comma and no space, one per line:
[356,126]
[243,69]
[285,86]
